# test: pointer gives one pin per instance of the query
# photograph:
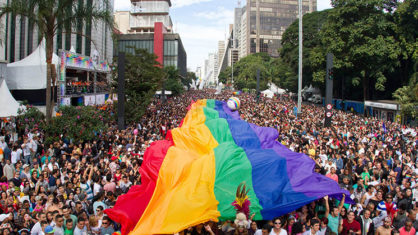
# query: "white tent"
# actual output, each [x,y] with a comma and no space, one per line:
[9,106]
[268,93]
[276,89]
[30,73]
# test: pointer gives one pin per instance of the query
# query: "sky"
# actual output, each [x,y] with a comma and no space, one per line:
[202,23]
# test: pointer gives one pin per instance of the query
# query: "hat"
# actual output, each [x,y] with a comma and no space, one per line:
[49,229]
[37,198]
[129,149]
[114,158]
[26,165]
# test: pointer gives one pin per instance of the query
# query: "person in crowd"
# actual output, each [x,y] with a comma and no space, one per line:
[45,179]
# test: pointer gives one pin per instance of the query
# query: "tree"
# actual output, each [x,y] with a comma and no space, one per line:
[313,49]
[190,77]
[406,19]
[143,77]
[408,98]
[49,16]
[225,76]
[360,35]
[173,80]
[246,71]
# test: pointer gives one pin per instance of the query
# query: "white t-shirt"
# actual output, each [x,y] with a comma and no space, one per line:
[282,232]
[36,229]
[15,157]
[26,149]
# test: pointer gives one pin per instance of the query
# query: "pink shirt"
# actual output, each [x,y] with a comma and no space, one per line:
[402,231]
[333,177]
[110,187]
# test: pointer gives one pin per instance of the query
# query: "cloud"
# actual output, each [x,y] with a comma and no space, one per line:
[122,5]
[220,16]
[199,41]
[323,4]
[183,3]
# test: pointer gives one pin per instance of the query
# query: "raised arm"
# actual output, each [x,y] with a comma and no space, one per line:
[326,207]
[340,206]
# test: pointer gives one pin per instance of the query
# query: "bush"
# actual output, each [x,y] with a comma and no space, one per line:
[29,119]
[79,124]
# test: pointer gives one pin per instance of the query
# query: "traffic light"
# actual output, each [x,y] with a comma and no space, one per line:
[331,73]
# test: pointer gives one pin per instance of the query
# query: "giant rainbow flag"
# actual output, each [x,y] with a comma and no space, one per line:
[193,177]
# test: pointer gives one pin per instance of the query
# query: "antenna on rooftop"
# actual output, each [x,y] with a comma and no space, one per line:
[239,3]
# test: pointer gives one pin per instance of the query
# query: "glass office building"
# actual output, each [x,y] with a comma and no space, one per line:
[266,21]
[174,53]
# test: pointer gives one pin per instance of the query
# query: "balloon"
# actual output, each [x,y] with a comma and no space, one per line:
[233,103]
[136,132]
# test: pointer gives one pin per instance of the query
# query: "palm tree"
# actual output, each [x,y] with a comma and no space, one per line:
[49,16]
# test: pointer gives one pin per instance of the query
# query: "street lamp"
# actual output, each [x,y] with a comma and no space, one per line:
[300,58]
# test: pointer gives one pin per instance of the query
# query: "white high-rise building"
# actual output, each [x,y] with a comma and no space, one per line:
[122,21]
[145,13]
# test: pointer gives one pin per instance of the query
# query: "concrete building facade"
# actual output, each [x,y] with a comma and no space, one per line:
[144,14]
[122,21]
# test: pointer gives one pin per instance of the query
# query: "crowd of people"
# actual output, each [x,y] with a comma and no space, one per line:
[65,187]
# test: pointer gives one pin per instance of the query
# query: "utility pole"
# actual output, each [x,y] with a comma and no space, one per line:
[121,91]
[329,86]
[300,58]
[232,60]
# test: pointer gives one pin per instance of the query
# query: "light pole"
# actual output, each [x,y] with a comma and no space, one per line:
[300,59]
[232,61]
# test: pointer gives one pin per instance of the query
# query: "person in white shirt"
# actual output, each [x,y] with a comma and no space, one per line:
[59,225]
[277,229]
[15,155]
[314,228]
[37,228]
[26,146]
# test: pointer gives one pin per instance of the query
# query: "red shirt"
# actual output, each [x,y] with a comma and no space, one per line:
[402,231]
[354,226]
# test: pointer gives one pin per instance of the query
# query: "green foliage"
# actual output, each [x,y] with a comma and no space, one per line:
[314,53]
[225,76]
[360,35]
[81,123]
[245,71]
[143,77]
[407,96]
[190,77]
[29,119]
[173,80]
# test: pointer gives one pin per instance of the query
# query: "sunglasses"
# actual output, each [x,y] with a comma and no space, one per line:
[277,223]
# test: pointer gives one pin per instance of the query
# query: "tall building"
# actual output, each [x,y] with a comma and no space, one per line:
[221,51]
[20,37]
[211,69]
[122,21]
[150,28]
[144,14]
[263,23]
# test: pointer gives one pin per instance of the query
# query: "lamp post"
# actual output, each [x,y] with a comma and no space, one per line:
[300,58]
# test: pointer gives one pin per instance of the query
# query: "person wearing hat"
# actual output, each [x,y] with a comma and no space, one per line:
[49,230]
[26,172]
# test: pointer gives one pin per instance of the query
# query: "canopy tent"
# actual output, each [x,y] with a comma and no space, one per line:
[276,89]
[30,73]
[268,93]
[9,106]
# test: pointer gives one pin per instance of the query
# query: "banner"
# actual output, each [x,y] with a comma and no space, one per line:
[66,101]
[89,100]
[100,99]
